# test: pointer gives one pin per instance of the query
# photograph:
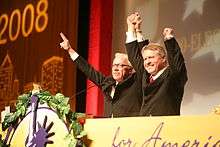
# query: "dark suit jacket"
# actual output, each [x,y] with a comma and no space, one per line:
[164,96]
[127,98]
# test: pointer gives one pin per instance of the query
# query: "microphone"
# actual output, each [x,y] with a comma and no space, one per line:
[82,91]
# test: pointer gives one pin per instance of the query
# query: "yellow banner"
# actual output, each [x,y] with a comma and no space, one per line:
[172,131]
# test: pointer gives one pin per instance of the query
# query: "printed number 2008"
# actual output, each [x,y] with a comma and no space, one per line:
[40,22]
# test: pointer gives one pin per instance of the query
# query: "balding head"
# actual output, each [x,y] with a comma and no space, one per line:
[121,67]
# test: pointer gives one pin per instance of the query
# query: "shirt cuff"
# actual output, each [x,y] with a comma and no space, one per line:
[73,55]
[140,37]
[130,37]
[168,37]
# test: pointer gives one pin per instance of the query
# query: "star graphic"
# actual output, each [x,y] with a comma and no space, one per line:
[212,45]
[193,5]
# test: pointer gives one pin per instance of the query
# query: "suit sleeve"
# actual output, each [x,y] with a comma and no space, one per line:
[134,55]
[92,74]
[176,59]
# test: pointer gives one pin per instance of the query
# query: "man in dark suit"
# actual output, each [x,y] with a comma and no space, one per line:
[163,72]
[122,93]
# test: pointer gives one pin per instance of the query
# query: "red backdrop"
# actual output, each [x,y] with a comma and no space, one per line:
[100,48]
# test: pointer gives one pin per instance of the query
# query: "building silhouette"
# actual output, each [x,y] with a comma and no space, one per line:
[9,84]
[51,80]
[52,75]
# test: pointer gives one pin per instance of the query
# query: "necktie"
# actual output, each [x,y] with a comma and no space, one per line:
[151,80]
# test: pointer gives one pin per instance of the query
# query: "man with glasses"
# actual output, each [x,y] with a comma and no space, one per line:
[122,93]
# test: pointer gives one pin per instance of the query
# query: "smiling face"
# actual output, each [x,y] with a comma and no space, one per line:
[154,58]
[121,68]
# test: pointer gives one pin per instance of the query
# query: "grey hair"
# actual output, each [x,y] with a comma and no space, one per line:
[155,47]
[123,55]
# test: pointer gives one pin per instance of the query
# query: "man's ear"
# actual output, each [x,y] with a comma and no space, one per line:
[128,72]
[164,60]
[131,70]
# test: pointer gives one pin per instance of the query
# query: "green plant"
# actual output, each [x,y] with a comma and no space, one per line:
[57,102]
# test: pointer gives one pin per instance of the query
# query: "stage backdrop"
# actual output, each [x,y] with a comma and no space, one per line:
[29,47]
[197,27]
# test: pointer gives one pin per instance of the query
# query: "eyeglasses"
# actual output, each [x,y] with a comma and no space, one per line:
[120,65]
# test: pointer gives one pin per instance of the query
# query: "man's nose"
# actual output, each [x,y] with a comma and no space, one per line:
[147,61]
[115,68]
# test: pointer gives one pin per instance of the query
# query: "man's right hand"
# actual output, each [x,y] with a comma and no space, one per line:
[65,44]
[131,22]
[134,22]
[138,22]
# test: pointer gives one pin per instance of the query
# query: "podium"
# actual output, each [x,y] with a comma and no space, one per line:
[169,131]
[164,131]
[42,122]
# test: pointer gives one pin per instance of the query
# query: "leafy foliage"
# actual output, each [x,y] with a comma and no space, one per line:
[57,102]
[21,108]
[75,128]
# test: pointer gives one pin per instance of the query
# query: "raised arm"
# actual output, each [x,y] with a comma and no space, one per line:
[135,41]
[174,54]
[92,74]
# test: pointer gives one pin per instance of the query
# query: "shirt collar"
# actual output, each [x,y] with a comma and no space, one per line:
[159,73]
